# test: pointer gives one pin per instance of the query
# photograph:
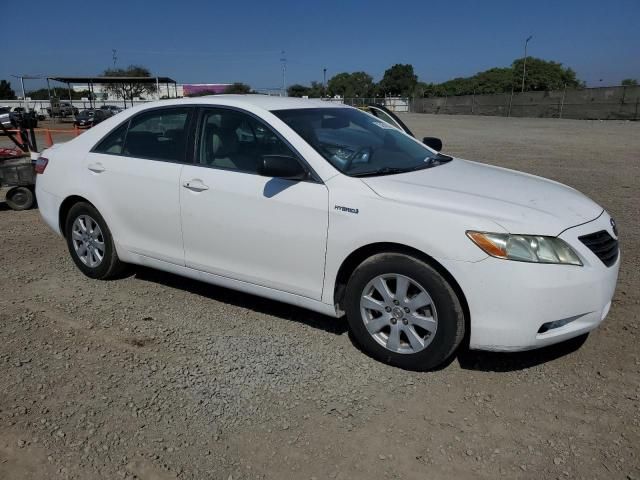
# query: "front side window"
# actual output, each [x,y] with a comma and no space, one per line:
[158,135]
[358,144]
[233,140]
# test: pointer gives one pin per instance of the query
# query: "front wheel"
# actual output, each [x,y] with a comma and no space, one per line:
[90,242]
[403,312]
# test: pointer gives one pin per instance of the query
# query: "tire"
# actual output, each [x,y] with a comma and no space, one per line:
[91,248]
[20,198]
[419,332]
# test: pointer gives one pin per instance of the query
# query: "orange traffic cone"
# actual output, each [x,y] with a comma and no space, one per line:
[48,141]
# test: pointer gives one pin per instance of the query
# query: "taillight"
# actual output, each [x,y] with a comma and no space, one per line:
[41,164]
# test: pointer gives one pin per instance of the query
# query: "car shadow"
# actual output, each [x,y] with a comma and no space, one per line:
[514,361]
[467,359]
[4,207]
[336,326]
[277,185]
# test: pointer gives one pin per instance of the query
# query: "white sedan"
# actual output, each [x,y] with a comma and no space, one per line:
[332,209]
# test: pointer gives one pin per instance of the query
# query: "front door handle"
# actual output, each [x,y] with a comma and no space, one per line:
[96,167]
[195,185]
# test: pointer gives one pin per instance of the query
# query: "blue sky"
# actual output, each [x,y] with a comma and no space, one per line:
[226,41]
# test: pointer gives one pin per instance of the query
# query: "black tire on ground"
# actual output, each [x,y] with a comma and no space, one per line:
[20,198]
[450,316]
[110,266]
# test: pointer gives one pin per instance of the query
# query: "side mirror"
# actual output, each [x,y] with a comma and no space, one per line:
[282,166]
[433,142]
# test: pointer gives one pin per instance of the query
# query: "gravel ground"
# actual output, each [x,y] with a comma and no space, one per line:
[158,377]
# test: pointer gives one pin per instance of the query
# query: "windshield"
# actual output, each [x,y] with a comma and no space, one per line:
[359,144]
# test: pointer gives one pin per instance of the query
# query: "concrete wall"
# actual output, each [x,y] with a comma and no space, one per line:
[605,103]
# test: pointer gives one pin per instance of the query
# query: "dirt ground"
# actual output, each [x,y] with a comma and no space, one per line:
[158,377]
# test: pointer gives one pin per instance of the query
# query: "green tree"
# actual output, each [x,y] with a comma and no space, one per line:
[298,90]
[351,85]
[399,80]
[455,86]
[541,75]
[544,75]
[494,80]
[238,87]
[6,92]
[128,91]
[316,90]
[627,82]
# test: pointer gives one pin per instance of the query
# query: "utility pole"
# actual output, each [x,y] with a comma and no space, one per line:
[324,81]
[283,59]
[24,95]
[524,67]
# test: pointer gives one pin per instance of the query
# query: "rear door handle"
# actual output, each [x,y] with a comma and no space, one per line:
[96,167]
[195,185]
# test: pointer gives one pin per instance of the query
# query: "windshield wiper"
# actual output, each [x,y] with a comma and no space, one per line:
[439,159]
[382,171]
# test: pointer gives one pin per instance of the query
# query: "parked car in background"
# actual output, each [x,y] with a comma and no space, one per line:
[333,209]
[66,110]
[90,117]
[17,115]
[5,113]
[112,109]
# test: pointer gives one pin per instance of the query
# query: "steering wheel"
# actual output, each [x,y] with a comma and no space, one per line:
[359,154]
[350,159]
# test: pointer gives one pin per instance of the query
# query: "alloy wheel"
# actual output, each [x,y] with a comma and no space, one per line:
[88,241]
[398,313]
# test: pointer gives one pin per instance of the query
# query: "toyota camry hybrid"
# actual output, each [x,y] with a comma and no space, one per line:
[336,210]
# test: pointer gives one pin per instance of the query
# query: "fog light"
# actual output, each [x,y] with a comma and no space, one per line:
[555,324]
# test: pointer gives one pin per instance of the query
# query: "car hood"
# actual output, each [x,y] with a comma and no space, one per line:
[516,201]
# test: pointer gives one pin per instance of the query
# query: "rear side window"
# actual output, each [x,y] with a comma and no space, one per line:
[158,135]
[114,142]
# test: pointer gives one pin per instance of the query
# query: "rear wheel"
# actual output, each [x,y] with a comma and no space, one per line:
[90,242]
[403,312]
[20,198]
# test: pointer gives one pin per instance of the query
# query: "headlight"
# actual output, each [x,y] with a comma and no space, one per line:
[525,248]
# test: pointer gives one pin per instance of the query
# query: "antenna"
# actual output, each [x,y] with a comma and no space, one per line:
[114,56]
[283,60]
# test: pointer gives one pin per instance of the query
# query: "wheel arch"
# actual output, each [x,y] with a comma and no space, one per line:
[355,258]
[65,206]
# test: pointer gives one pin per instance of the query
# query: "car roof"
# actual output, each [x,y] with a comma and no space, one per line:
[264,102]
[269,102]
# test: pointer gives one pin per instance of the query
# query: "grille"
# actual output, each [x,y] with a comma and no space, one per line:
[603,245]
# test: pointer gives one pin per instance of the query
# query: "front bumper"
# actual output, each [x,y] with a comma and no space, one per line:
[509,302]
